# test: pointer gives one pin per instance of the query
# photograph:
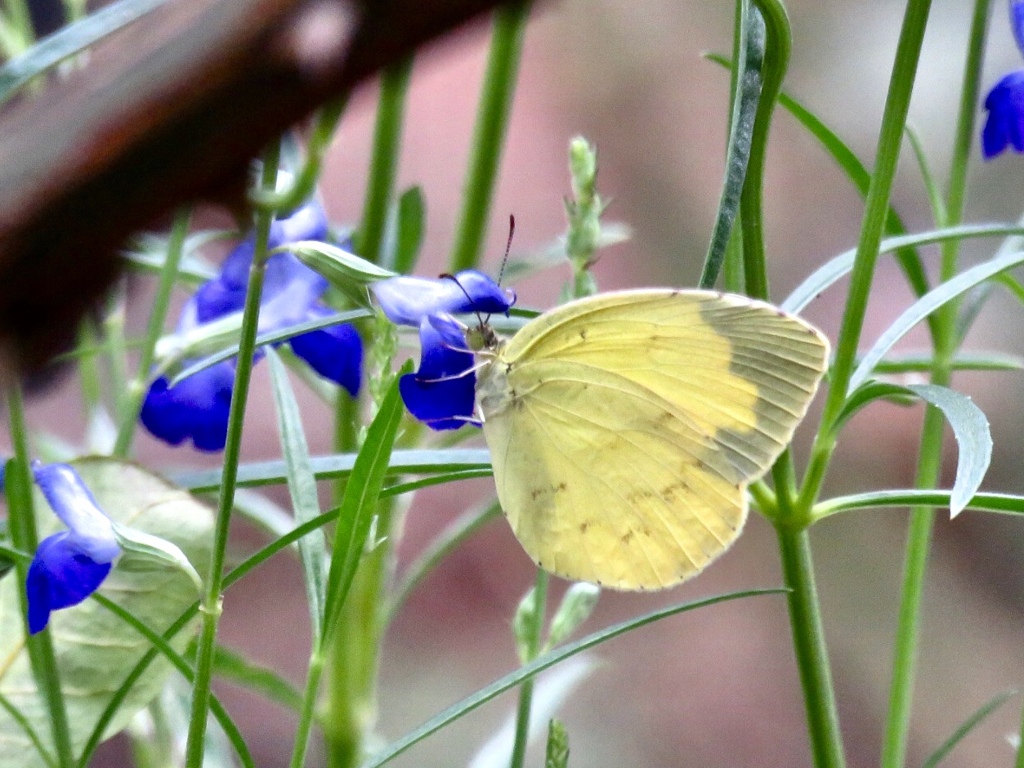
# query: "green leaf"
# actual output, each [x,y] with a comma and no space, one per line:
[73,39]
[302,488]
[233,666]
[1002,503]
[557,753]
[95,649]
[855,171]
[971,430]
[545,661]
[868,392]
[551,691]
[837,268]
[927,304]
[924,362]
[967,726]
[347,272]
[340,465]
[935,198]
[748,80]
[219,338]
[142,552]
[359,505]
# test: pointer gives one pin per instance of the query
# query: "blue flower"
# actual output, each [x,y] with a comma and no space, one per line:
[197,407]
[441,392]
[70,565]
[1004,125]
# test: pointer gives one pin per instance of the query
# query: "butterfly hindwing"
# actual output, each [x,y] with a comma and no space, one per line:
[625,427]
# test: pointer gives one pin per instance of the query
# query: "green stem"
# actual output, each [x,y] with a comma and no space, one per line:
[809,645]
[901,86]
[314,672]
[499,87]
[116,348]
[922,519]
[211,604]
[24,536]
[89,370]
[534,638]
[355,647]
[387,142]
[157,316]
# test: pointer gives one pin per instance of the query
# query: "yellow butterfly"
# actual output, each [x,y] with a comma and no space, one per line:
[625,427]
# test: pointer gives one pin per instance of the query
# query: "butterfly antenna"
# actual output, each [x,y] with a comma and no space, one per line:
[508,245]
[454,279]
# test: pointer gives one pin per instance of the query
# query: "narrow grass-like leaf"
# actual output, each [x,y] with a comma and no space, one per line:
[230,665]
[359,505]
[302,488]
[967,726]
[551,691]
[748,81]
[545,661]
[927,304]
[347,272]
[460,529]
[213,336]
[413,462]
[963,361]
[410,486]
[1002,503]
[935,198]
[868,392]
[838,267]
[73,39]
[184,668]
[973,436]
[44,754]
[856,172]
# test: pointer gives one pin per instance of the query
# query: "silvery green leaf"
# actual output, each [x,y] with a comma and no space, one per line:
[95,649]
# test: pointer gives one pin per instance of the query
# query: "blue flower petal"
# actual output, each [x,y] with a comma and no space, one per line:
[195,408]
[1017,22]
[443,350]
[442,392]
[61,575]
[407,300]
[446,404]
[335,352]
[75,505]
[1004,125]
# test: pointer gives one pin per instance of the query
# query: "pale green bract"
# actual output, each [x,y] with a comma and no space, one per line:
[95,649]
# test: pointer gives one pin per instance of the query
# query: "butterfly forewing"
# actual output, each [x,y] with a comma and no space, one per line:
[625,427]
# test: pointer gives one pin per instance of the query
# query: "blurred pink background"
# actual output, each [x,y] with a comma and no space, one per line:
[718,687]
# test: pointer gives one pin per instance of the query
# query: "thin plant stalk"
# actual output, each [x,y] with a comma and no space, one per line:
[157,316]
[24,536]
[387,146]
[946,340]
[492,118]
[534,638]
[212,603]
[351,657]
[894,117]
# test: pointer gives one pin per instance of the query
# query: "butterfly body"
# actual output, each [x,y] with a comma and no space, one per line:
[625,427]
